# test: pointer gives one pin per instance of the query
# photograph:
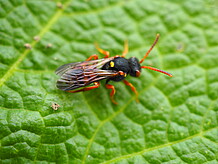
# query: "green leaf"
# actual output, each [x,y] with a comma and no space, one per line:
[176,119]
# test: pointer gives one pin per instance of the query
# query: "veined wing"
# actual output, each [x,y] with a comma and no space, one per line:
[92,64]
[81,74]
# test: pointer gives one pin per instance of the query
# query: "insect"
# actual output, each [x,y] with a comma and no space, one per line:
[77,77]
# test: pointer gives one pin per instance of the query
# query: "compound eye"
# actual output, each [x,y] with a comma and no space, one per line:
[137,73]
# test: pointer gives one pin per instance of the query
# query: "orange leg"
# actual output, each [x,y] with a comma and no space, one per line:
[96,85]
[92,57]
[108,86]
[132,88]
[105,53]
[125,51]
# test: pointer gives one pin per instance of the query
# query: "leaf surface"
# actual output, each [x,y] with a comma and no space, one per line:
[176,120]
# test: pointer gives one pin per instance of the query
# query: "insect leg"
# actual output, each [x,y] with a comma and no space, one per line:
[113,91]
[105,53]
[96,85]
[92,57]
[132,88]
[125,51]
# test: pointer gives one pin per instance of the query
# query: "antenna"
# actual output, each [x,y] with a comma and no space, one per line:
[146,55]
[152,46]
[158,70]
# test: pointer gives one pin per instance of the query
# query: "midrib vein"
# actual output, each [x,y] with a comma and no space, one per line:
[13,67]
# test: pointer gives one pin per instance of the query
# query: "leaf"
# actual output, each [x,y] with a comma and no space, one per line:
[176,118]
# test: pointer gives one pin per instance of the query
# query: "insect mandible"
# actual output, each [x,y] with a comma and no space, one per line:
[77,77]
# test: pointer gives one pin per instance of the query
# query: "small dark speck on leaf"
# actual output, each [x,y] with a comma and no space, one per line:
[36,38]
[180,47]
[27,46]
[49,45]
[59,5]
[55,106]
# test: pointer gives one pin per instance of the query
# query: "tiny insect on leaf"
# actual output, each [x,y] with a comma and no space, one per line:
[77,77]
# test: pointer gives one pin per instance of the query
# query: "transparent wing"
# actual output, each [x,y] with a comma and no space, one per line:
[81,74]
[91,64]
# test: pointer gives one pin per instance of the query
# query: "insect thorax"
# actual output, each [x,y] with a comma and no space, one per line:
[128,66]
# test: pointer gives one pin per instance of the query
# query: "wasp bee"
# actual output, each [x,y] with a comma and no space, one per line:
[77,77]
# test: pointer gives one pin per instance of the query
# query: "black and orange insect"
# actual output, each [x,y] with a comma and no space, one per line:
[77,77]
